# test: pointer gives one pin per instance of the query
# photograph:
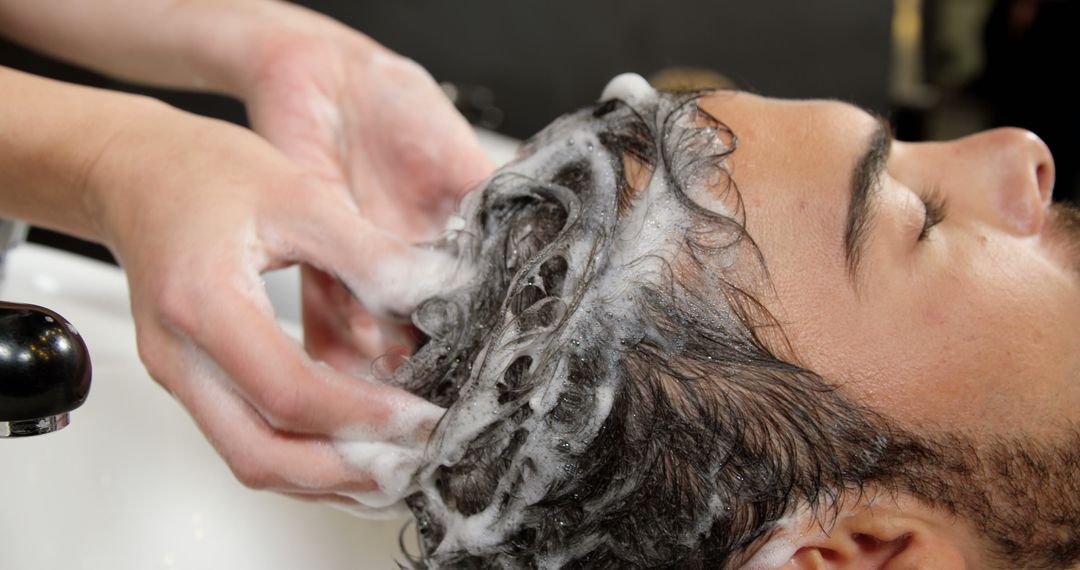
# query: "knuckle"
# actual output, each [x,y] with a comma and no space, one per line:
[252,474]
[151,353]
[286,406]
[174,305]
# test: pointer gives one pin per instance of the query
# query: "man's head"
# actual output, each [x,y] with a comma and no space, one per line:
[719,332]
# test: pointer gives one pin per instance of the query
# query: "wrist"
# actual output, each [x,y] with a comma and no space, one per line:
[109,166]
[52,174]
[235,47]
[216,42]
[312,45]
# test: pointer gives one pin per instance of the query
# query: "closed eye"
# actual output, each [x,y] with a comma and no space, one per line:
[935,208]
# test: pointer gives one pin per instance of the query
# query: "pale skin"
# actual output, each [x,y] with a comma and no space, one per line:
[973,330]
[196,209]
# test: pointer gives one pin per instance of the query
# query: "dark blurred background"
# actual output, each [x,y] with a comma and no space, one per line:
[938,68]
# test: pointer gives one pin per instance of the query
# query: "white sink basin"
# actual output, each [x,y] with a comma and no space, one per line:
[132,484]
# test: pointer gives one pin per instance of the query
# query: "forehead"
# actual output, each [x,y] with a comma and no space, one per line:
[793,168]
[781,140]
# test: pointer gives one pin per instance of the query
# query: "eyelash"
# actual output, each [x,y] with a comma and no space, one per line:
[935,206]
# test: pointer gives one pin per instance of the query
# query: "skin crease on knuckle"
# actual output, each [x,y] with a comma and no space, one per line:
[152,345]
[287,406]
[251,473]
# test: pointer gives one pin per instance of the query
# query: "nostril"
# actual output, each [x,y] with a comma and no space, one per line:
[1044,177]
[1038,154]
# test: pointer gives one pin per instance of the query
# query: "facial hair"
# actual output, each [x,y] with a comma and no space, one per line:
[1064,230]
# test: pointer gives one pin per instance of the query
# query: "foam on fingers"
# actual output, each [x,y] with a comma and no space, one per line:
[390,452]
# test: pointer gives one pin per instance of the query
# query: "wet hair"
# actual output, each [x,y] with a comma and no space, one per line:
[613,391]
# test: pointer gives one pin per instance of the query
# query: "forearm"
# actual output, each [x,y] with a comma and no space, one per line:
[51,136]
[212,45]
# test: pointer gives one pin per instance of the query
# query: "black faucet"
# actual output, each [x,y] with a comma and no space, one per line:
[44,370]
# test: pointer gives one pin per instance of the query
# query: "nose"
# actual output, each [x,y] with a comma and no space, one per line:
[1016,170]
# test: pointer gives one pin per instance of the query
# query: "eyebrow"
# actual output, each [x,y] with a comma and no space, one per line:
[865,180]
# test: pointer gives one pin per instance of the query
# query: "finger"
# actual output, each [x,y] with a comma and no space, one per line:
[233,324]
[388,276]
[298,119]
[449,155]
[327,334]
[376,474]
[340,332]
[349,505]
[470,166]
[259,456]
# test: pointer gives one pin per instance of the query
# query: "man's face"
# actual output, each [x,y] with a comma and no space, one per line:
[972,326]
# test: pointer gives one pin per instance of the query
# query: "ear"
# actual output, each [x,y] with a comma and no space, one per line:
[879,538]
[879,534]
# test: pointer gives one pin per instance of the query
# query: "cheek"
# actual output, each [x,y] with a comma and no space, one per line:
[935,316]
[976,349]
[919,351]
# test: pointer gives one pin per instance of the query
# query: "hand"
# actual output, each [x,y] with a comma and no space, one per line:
[376,126]
[195,210]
